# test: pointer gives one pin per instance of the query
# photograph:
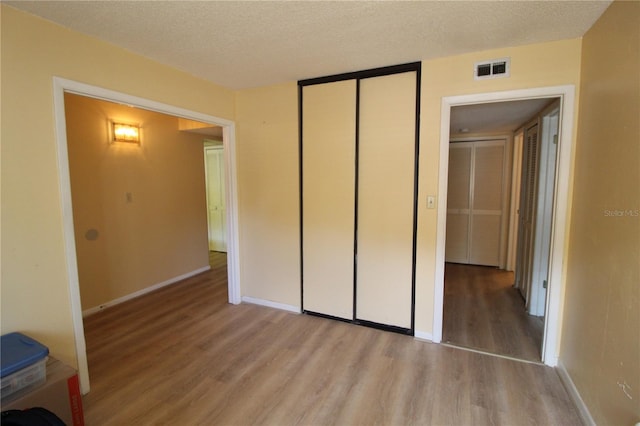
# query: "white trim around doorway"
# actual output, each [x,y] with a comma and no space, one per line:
[551,339]
[60,86]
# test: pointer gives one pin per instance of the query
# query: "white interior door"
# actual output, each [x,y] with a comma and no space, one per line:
[544,214]
[528,201]
[328,201]
[214,173]
[458,202]
[385,199]
[514,211]
[475,202]
[487,203]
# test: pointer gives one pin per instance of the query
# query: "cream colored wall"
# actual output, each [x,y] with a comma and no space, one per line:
[267,152]
[268,182]
[160,232]
[601,344]
[35,295]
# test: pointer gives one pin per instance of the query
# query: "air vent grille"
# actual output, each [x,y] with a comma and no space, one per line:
[494,68]
[484,70]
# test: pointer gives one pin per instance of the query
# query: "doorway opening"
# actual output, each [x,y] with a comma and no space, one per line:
[485,307]
[556,210]
[62,86]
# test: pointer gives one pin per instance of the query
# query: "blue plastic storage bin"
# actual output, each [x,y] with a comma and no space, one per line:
[24,362]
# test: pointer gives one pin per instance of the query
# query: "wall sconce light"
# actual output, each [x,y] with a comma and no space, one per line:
[125,132]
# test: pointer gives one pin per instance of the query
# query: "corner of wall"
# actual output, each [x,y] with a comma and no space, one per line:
[572,390]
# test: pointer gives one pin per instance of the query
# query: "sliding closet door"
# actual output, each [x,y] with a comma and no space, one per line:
[328,194]
[385,216]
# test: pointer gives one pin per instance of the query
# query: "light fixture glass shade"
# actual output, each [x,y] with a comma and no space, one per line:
[126,132]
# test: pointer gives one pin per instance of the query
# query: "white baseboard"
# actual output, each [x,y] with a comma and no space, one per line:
[423,335]
[270,304]
[146,290]
[566,380]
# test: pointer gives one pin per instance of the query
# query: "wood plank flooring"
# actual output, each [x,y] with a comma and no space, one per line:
[482,310]
[218,260]
[183,356]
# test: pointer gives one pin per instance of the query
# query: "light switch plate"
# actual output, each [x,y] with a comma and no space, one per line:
[431,202]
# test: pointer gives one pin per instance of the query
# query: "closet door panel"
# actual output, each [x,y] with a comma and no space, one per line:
[385,199]
[485,241]
[487,199]
[488,176]
[458,206]
[328,188]
[457,243]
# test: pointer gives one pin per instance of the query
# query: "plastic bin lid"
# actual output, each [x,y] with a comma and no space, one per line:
[18,351]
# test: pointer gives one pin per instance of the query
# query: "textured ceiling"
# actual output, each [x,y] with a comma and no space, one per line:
[497,117]
[249,44]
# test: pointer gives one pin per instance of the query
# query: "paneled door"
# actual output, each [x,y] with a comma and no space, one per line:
[458,202]
[328,194]
[476,202]
[386,199]
[528,202]
[214,173]
[488,203]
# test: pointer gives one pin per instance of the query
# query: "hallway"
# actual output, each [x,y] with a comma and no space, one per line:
[483,311]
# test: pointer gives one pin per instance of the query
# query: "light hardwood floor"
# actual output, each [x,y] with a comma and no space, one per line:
[183,356]
[482,310]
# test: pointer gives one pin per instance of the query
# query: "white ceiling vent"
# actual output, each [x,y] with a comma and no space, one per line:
[495,68]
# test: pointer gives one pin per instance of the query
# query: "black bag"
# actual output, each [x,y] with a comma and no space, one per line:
[36,416]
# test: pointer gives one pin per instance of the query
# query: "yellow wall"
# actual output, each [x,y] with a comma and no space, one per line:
[35,295]
[601,343]
[160,232]
[268,182]
[267,152]
[537,65]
